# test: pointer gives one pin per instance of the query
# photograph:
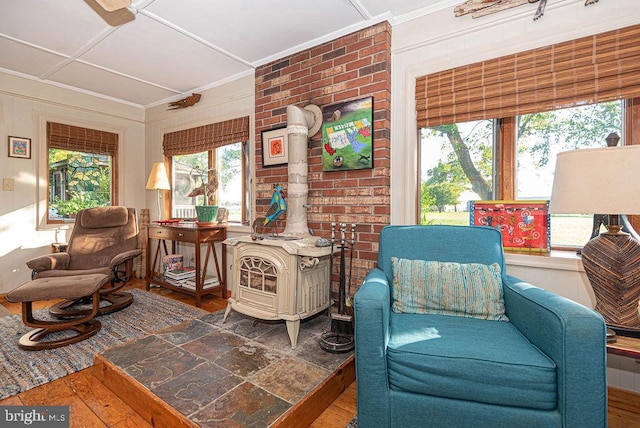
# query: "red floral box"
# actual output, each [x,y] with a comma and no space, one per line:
[525,225]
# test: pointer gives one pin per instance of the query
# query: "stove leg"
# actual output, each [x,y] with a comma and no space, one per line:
[293,327]
[226,312]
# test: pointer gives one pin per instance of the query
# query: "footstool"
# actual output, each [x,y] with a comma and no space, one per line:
[69,287]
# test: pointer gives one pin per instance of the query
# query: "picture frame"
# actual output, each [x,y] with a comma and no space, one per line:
[525,225]
[347,135]
[275,150]
[19,147]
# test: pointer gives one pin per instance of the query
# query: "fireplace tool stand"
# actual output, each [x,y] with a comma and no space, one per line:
[340,338]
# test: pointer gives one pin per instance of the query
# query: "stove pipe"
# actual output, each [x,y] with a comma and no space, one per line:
[301,123]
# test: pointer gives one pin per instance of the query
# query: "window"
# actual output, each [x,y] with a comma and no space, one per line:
[456,166]
[230,162]
[81,166]
[539,139]
[217,154]
[456,162]
[222,169]
[184,179]
[569,95]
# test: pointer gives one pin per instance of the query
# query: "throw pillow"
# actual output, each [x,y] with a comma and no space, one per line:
[448,288]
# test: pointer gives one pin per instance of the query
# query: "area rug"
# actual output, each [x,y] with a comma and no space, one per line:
[353,423]
[4,311]
[22,370]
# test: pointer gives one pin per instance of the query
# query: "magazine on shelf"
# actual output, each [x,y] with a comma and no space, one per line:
[175,282]
[183,273]
[208,281]
[192,285]
[172,262]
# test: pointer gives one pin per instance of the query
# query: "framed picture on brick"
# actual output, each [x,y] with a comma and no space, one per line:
[274,147]
[347,135]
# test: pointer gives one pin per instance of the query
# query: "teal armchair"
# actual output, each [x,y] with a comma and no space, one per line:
[544,367]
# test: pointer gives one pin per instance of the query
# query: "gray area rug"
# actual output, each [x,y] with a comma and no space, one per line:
[22,370]
[353,423]
[4,311]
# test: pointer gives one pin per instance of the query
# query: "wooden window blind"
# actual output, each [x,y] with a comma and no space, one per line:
[594,69]
[75,138]
[206,137]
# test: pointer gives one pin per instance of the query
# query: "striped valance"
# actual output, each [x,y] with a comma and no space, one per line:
[206,137]
[78,139]
[599,68]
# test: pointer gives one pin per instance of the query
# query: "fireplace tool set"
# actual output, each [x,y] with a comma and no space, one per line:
[340,338]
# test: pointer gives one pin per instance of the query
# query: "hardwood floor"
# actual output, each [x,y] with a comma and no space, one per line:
[92,404]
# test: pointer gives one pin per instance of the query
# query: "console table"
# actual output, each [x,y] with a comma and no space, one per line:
[198,235]
[625,346]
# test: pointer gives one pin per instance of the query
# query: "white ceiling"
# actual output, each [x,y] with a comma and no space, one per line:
[162,50]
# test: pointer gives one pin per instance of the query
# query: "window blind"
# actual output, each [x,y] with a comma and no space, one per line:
[599,68]
[75,138]
[206,137]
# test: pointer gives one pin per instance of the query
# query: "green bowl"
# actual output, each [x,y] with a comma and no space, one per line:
[206,213]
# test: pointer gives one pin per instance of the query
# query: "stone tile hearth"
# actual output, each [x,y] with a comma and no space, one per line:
[241,373]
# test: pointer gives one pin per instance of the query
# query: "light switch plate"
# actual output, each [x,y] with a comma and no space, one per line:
[8,184]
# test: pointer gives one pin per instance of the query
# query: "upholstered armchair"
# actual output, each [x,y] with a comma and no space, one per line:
[445,338]
[104,241]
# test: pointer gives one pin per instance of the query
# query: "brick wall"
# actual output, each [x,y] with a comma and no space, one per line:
[352,67]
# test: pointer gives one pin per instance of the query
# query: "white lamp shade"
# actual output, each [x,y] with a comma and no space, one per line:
[158,179]
[597,181]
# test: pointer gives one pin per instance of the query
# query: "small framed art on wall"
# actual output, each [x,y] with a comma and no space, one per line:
[20,147]
[274,147]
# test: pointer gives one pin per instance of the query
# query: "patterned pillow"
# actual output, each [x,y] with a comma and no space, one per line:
[447,288]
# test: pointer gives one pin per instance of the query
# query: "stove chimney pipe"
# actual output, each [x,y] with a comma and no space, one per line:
[301,123]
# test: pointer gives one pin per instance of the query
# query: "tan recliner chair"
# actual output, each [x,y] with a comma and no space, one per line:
[104,241]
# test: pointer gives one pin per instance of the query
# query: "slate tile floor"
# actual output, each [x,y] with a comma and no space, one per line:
[241,373]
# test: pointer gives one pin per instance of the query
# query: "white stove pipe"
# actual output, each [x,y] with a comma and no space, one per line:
[301,122]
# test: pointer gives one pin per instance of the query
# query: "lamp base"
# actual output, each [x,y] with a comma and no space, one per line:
[612,264]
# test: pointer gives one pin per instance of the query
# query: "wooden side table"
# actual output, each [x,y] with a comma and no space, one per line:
[59,247]
[625,346]
[198,235]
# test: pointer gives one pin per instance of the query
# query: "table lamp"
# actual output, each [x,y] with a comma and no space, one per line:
[158,180]
[598,181]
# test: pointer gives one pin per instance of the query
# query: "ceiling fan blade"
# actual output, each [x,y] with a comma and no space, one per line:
[111,5]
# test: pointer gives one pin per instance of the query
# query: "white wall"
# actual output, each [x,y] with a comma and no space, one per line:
[232,100]
[440,41]
[25,106]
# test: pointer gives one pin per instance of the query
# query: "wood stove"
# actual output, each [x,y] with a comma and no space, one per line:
[285,277]
[279,279]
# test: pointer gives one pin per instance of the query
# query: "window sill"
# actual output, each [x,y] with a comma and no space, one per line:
[238,228]
[558,260]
